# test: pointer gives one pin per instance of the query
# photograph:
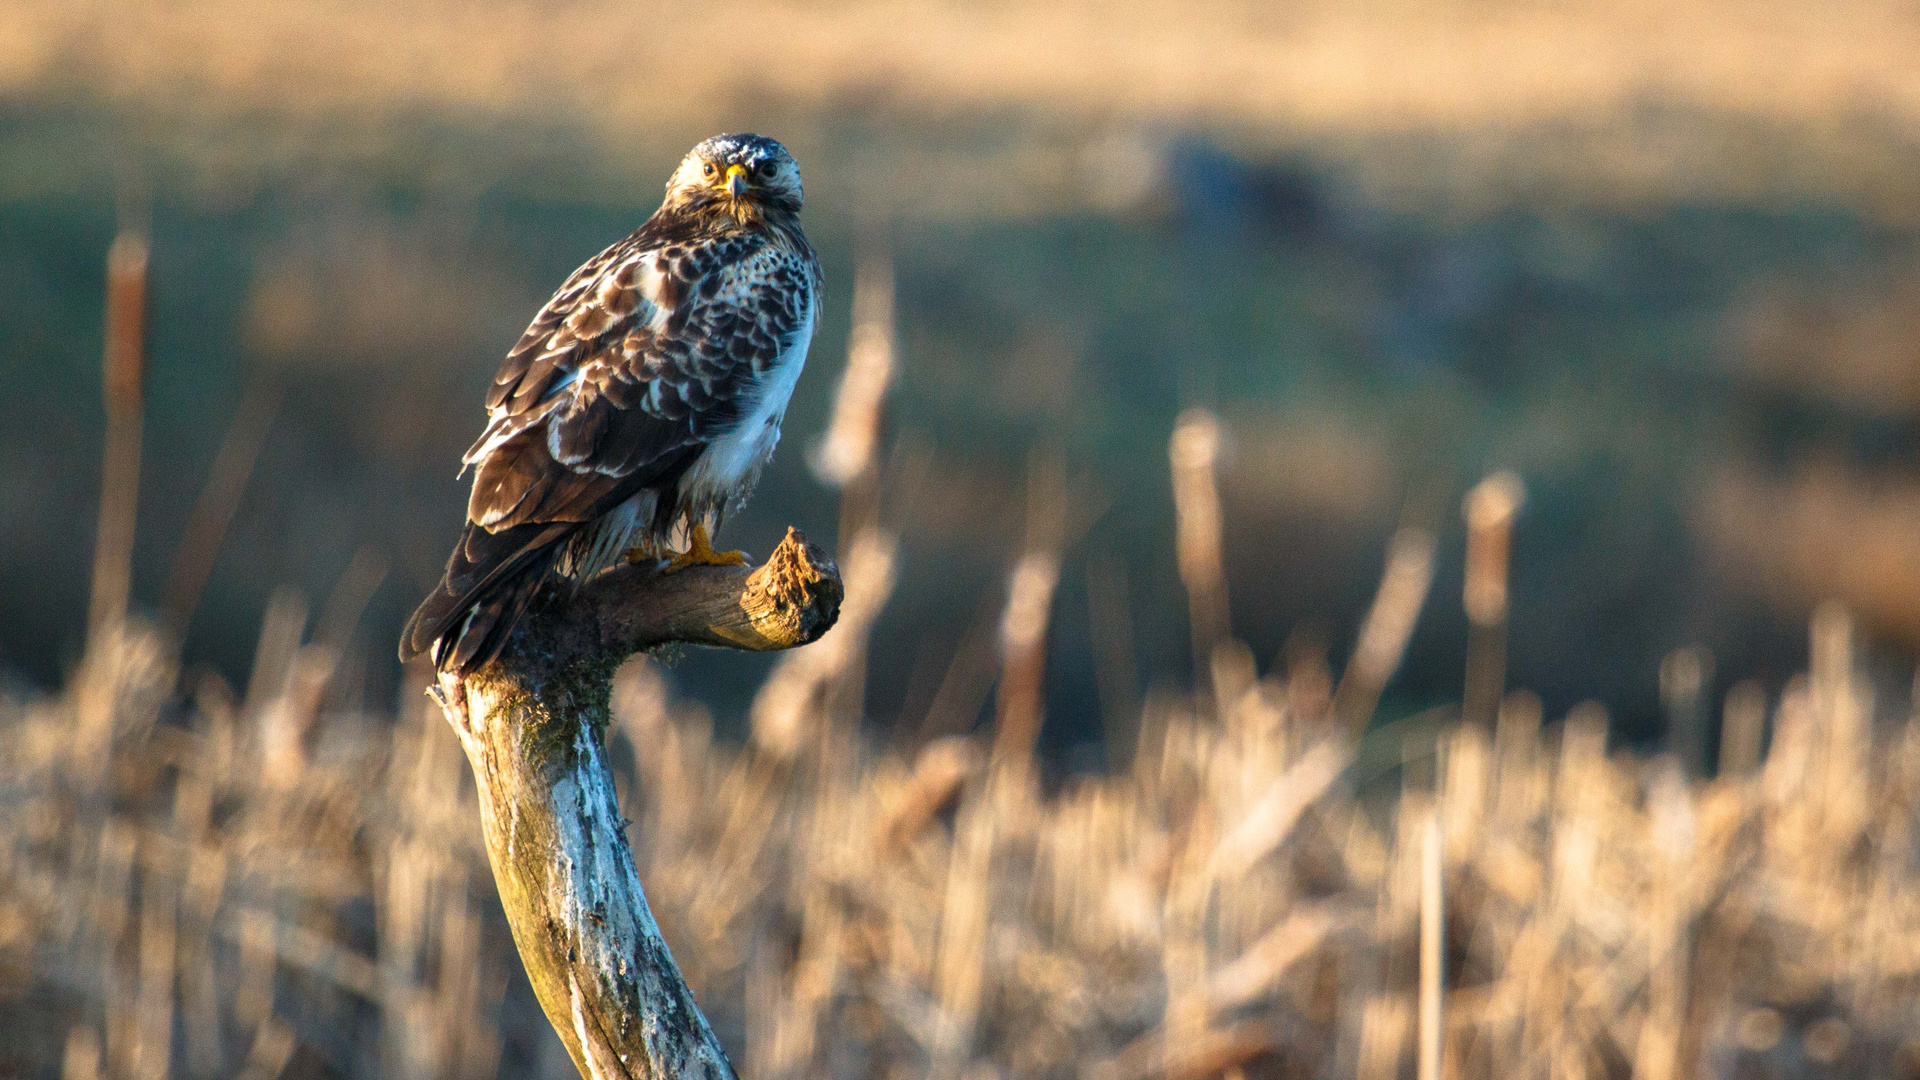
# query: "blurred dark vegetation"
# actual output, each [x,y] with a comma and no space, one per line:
[1708,399]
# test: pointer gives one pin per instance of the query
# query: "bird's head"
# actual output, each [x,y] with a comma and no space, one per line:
[743,174]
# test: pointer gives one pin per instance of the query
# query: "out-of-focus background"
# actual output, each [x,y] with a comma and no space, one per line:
[1650,267]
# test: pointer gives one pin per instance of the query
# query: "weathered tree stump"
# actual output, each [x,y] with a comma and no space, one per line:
[533,722]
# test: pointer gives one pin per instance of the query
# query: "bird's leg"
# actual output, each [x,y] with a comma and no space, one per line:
[642,552]
[700,553]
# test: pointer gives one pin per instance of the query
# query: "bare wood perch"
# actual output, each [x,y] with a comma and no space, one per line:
[533,722]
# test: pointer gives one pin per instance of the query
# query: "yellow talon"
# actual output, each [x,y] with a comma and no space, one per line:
[699,553]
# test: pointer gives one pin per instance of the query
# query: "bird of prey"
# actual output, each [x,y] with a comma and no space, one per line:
[646,395]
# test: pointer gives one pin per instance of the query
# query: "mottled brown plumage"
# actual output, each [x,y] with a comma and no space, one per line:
[648,391]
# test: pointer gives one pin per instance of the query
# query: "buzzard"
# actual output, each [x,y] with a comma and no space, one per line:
[647,394]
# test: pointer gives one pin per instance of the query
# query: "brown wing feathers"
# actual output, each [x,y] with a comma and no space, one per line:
[633,365]
[494,575]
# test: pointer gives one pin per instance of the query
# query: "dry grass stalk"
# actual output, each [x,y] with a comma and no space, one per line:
[1490,509]
[123,370]
[1670,819]
[851,446]
[1388,627]
[1432,944]
[1686,674]
[1195,453]
[124,375]
[1023,641]
[206,529]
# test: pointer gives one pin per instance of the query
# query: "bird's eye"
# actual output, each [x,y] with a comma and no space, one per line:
[768,168]
[707,169]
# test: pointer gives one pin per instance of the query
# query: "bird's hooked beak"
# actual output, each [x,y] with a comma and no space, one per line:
[735,181]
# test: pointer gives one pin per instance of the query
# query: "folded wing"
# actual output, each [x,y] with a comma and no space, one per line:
[647,353]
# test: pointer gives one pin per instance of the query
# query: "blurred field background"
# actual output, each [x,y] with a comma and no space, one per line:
[1657,262]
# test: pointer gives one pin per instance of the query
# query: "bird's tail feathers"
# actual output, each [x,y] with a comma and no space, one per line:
[491,581]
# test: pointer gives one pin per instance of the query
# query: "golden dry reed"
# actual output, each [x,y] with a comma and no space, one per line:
[278,871]
[202,882]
